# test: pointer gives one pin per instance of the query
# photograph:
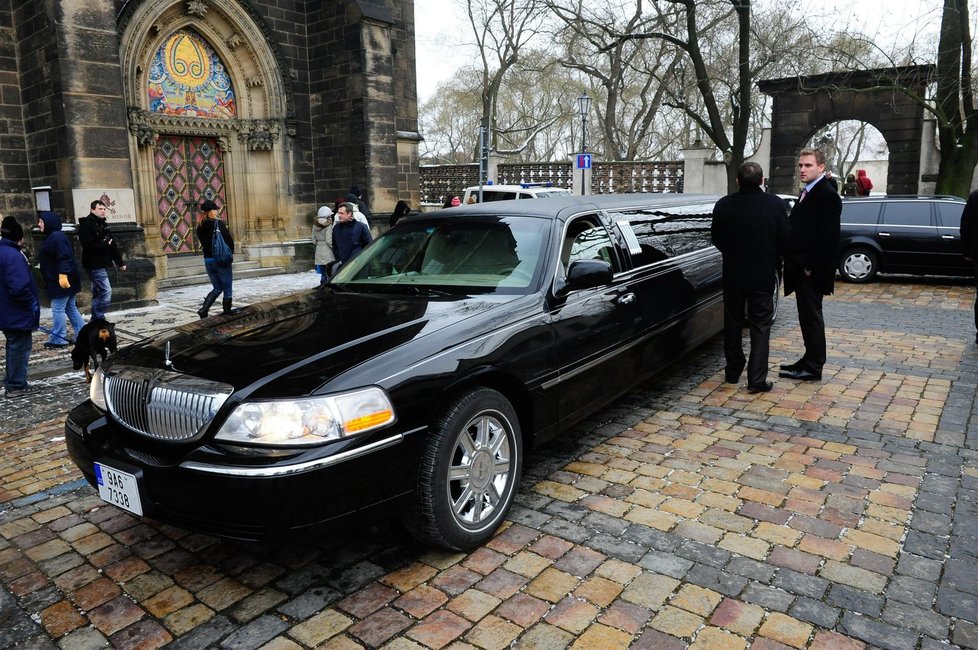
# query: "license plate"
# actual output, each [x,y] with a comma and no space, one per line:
[118,488]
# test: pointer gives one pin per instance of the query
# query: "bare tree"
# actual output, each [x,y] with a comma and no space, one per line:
[628,74]
[705,109]
[502,29]
[449,121]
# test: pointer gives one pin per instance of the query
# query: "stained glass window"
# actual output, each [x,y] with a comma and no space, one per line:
[188,78]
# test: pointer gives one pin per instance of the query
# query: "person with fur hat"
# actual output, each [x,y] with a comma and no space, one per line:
[20,311]
[220,276]
[61,280]
[99,253]
[322,238]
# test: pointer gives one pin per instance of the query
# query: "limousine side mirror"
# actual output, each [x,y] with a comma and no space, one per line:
[585,274]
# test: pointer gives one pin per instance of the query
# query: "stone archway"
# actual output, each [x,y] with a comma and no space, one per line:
[884,98]
[239,155]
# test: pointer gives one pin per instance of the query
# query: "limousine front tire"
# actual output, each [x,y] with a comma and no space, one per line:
[859,265]
[470,470]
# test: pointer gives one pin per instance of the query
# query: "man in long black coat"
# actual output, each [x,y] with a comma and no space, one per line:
[969,239]
[809,264]
[750,228]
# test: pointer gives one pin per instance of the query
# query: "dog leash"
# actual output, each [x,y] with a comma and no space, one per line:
[47,331]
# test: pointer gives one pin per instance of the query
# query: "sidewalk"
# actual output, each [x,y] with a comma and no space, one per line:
[175,306]
[61,388]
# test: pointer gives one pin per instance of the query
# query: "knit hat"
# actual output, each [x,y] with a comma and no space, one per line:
[324,211]
[11,229]
[352,198]
[456,202]
[208,205]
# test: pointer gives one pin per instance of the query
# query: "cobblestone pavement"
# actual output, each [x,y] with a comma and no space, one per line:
[838,514]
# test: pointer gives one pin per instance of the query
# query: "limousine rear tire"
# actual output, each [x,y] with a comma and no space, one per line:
[470,470]
[859,265]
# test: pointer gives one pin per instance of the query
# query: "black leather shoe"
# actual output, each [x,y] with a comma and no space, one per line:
[801,375]
[761,388]
[791,366]
[729,379]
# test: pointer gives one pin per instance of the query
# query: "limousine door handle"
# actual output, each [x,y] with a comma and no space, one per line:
[626,298]
[884,234]
[948,237]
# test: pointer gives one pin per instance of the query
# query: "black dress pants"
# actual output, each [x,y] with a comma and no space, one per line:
[759,314]
[808,297]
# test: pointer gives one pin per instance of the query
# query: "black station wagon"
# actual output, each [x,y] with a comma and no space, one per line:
[415,381]
[919,235]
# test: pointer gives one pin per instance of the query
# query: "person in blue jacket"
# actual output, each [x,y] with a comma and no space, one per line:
[349,235]
[61,280]
[20,312]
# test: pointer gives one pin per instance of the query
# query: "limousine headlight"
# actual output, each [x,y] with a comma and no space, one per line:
[308,421]
[96,390]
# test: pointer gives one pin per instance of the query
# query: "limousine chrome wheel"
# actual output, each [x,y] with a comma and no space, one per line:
[858,265]
[469,472]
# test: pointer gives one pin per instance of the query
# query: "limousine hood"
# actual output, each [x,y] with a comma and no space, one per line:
[296,344]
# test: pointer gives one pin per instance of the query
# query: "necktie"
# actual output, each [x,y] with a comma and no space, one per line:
[804,193]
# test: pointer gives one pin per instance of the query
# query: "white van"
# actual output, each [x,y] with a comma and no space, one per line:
[507,192]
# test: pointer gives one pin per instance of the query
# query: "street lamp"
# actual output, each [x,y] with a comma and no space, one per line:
[583,106]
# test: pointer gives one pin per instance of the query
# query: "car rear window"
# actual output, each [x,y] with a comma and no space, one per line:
[949,214]
[906,213]
[860,213]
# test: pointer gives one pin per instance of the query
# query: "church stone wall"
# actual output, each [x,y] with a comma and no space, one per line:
[15,184]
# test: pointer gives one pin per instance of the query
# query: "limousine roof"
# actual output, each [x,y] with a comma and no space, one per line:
[563,207]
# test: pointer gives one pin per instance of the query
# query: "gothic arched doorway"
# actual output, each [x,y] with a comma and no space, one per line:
[882,98]
[207,112]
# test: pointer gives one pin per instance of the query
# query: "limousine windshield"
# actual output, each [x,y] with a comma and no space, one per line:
[458,255]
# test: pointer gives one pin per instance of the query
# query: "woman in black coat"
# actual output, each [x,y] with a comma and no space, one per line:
[218,273]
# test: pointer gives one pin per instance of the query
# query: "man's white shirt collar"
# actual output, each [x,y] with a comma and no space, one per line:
[808,188]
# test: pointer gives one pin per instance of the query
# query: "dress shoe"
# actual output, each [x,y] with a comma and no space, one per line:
[801,375]
[760,388]
[791,366]
[730,379]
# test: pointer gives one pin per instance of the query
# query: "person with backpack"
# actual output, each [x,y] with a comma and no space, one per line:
[218,246]
[863,184]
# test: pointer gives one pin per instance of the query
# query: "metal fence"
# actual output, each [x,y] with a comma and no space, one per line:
[441,181]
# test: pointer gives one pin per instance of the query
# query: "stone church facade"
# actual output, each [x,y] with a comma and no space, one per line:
[270,108]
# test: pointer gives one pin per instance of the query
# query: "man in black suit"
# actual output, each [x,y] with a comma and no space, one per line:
[969,239]
[809,264]
[750,229]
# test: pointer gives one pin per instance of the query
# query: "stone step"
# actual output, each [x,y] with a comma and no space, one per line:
[239,270]
[185,269]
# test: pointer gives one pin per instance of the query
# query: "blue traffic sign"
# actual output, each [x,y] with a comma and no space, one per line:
[583,161]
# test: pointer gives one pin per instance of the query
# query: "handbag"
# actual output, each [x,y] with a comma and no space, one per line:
[219,248]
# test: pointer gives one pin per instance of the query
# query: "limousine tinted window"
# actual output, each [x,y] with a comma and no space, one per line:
[668,232]
[587,240]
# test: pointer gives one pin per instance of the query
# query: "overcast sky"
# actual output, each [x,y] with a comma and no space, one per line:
[442,30]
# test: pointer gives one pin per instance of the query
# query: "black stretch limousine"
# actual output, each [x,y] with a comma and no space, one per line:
[415,381]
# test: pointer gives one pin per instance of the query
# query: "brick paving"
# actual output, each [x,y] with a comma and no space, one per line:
[838,514]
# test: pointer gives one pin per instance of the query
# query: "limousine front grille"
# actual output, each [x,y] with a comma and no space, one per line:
[163,405]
